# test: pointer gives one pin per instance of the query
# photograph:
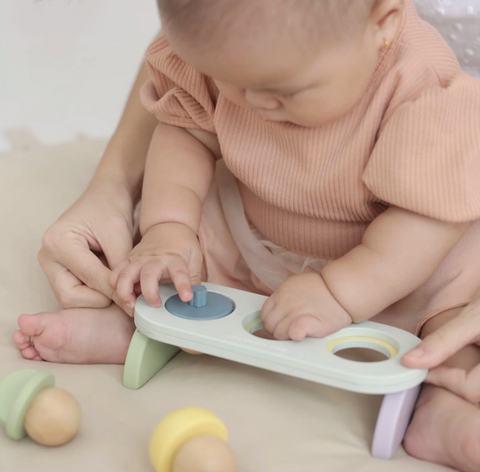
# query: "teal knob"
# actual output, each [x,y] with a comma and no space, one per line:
[205,305]
[199,299]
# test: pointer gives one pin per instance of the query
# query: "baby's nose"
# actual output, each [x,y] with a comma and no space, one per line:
[262,100]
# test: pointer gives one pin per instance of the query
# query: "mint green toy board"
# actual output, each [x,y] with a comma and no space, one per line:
[231,338]
[17,392]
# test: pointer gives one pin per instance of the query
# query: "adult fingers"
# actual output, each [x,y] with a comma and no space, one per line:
[77,257]
[70,290]
[444,342]
[459,381]
[116,246]
[113,278]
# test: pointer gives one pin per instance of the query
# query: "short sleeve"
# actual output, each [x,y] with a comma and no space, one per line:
[177,94]
[426,158]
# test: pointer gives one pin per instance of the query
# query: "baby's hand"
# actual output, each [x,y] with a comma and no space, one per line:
[303,306]
[167,250]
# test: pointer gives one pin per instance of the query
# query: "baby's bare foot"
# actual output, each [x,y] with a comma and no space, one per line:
[445,429]
[76,336]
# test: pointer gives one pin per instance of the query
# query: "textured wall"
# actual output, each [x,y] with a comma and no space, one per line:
[459,23]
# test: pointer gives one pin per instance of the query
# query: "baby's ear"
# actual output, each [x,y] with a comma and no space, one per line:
[386,18]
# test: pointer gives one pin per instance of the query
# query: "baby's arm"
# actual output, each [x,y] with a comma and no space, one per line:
[178,175]
[400,250]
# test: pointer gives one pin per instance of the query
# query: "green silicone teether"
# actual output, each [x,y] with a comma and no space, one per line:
[17,392]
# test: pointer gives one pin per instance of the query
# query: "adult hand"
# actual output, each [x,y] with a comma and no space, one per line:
[437,347]
[92,236]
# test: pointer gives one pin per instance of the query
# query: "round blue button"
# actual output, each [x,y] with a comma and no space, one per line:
[217,305]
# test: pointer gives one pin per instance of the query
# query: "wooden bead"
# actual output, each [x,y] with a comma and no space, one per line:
[53,417]
[204,454]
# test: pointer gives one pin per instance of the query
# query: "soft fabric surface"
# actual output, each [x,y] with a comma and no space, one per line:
[276,423]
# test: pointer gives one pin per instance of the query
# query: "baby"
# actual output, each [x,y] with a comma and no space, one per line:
[350,131]
[349,185]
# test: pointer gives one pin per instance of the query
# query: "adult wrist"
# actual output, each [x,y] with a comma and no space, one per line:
[115,185]
[121,174]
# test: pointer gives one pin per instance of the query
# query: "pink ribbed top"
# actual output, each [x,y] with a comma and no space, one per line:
[413,141]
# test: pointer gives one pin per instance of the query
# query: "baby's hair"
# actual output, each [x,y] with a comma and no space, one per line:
[207,21]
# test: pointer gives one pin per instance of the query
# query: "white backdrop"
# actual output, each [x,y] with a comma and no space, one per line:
[66,65]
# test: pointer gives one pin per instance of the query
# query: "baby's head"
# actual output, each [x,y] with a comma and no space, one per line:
[302,61]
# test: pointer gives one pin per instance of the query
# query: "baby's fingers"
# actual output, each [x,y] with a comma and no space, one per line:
[152,272]
[306,326]
[298,327]
[180,275]
[127,278]
[459,381]
[272,313]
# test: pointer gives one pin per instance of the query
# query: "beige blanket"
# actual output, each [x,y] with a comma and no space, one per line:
[276,423]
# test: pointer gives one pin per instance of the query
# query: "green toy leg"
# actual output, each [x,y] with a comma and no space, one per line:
[145,358]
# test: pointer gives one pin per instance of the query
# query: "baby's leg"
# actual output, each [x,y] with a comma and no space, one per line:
[76,336]
[445,429]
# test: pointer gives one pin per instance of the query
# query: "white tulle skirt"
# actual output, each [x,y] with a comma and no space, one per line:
[270,263]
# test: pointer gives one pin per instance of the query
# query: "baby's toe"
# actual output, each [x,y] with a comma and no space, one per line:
[21,340]
[30,325]
[31,354]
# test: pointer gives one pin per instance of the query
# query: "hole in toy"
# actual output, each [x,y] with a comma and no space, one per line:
[362,348]
[361,355]
[253,325]
[264,334]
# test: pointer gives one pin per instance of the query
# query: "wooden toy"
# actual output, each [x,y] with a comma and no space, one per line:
[220,321]
[191,440]
[30,404]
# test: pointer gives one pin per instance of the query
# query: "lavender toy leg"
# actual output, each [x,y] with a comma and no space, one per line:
[393,419]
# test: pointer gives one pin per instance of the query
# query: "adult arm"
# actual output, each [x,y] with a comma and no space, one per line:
[95,233]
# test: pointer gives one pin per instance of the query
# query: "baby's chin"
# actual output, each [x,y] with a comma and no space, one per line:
[306,121]
[318,120]
[273,117]
[303,122]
